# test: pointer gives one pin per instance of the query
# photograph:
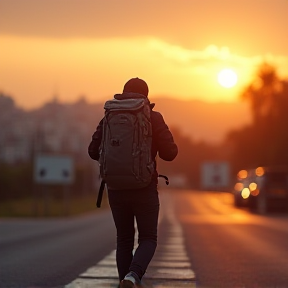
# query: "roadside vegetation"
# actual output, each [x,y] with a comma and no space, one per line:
[21,197]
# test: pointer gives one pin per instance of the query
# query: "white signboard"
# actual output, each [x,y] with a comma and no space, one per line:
[215,175]
[53,169]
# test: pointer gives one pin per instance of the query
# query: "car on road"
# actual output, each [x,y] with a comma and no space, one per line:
[242,190]
[264,189]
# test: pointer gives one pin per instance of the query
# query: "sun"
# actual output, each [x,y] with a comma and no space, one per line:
[227,78]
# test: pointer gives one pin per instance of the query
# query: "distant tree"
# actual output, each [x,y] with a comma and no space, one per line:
[261,93]
[265,141]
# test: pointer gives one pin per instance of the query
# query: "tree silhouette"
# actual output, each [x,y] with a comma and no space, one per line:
[262,93]
[265,141]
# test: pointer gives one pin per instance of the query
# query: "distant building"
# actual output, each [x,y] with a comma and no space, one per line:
[55,127]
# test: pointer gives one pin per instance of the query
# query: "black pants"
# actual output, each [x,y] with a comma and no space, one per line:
[142,205]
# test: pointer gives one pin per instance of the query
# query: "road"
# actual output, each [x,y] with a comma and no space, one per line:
[230,247]
[52,253]
[226,246]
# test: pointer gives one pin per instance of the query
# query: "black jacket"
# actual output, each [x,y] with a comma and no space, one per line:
[162,139]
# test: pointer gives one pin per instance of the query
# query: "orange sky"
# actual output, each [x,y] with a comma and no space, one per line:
[92,47]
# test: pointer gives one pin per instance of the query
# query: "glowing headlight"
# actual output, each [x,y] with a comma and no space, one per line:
[252,186]
[238,186]
[245,193]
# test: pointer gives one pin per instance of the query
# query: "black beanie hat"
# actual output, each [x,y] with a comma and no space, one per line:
[136,85]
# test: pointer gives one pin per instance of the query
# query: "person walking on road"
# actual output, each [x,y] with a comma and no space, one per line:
[130,198]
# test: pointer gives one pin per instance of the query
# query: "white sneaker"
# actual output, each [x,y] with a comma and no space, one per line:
[127,284]
[130,280]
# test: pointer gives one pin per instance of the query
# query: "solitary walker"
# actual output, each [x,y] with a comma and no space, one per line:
[127,202]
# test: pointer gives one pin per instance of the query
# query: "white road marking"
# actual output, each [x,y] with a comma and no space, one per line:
[170,266]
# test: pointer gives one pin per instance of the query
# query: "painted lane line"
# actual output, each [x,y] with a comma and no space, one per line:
[167,264]
[170,266]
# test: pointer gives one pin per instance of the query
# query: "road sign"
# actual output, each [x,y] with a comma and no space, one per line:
[50,169]
[215,175]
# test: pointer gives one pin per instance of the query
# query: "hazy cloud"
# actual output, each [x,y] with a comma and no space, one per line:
[193,24]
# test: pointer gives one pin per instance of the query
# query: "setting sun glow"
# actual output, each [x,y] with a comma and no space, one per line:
[227,78]
[70,57]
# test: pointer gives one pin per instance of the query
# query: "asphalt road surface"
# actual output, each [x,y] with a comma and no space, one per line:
[230,247]
[52,253]
[226,246]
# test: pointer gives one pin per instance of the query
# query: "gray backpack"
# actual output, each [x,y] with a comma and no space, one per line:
[125,151]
